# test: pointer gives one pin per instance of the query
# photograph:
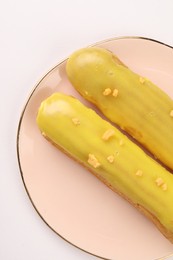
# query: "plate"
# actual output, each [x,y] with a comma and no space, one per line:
[71,201]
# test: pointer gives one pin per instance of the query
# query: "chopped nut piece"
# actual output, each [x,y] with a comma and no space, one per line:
[86,92]
[115,92]
[139,173]
[108,134]
[164,186]
[171,113]
[107,92]
[121,142]
[142,80]
[92,160]
[159,182]
[76,121]
[110,158]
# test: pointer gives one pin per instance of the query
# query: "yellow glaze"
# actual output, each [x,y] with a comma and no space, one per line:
[115,160]
[134,103]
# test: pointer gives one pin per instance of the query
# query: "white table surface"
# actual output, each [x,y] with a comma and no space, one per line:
[35,35]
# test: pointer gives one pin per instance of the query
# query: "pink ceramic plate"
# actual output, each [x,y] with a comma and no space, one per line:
[74,203]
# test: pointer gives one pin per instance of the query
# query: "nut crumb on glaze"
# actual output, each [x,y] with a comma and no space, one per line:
[139,173]
[159,181]
[92,160]
[110,158]
[164,186]
[115,92]
[108,134]
[107,92]
[142,80]
[171,113]
[76,121]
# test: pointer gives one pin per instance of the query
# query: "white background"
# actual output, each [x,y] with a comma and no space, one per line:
[35,35]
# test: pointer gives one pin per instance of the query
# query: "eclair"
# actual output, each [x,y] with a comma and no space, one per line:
[111,156]
[132,101]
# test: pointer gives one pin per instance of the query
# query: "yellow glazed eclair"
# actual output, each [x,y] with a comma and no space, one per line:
[134,103]
[111,156]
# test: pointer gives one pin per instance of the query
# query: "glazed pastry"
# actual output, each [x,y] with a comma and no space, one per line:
[134,103]
[111,156]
